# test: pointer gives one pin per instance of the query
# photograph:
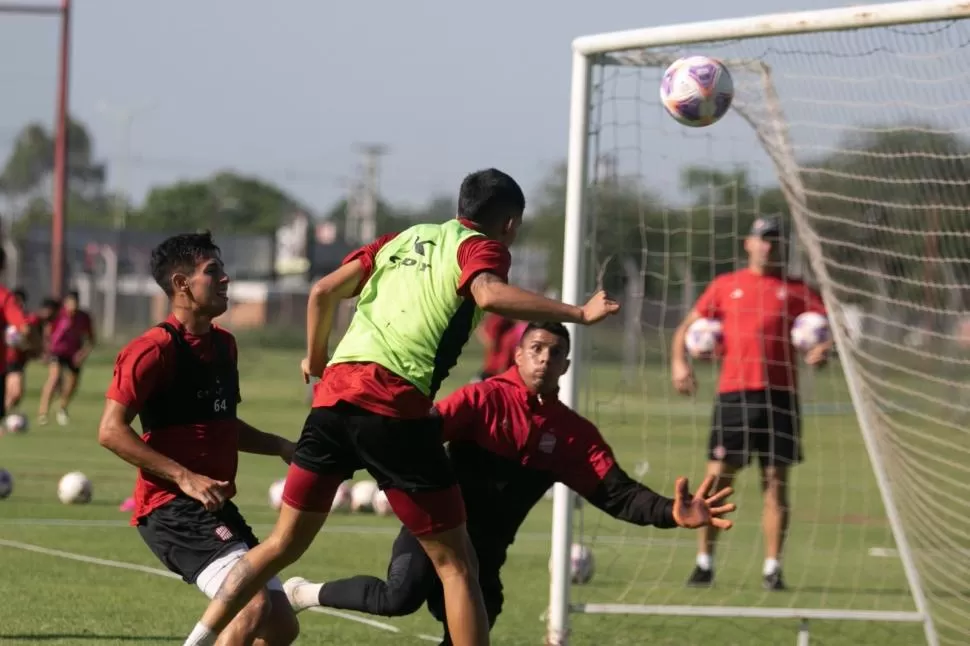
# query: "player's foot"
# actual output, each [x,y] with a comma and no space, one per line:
[773,581]
[62,417]
[42,420]
[700,578]
[302,594]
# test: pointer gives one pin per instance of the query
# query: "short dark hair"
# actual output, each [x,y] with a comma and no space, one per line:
[554,328]
[20,293]
[486,196]
[181,253]
[73,295]
[51,302]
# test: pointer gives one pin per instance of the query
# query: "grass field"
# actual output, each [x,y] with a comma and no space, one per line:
[52,592]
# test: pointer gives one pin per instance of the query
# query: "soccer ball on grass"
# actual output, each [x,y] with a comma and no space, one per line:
[362,496]
[380,504]
[6,484]
[808,330]
[697,90]
[703,338]
[15,423]
[276,493]
[341,499]
[74,489]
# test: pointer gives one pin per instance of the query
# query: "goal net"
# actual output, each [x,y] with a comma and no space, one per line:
[853,125]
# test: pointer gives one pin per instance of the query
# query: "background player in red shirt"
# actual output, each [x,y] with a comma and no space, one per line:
[71,341]
[11,314]
[757,403]
[17,358]
[181,379]
[365,415]
[511,439]
[490,333]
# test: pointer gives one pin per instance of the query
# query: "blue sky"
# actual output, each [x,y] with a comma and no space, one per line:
[286,89]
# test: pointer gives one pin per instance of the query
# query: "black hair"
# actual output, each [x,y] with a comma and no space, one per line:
[489,196]
[73,295]
[553,328]
[20,293]
[51,302]
[181,253]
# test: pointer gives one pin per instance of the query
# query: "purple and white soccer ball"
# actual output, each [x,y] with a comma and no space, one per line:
[697,90]
[808,330]
[703,338]
[276,493]
[6,484]
[582,565]
[341,499]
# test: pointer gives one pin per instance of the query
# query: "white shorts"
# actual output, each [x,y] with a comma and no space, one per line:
[210,579]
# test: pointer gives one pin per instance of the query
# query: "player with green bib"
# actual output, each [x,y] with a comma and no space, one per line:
[421,294]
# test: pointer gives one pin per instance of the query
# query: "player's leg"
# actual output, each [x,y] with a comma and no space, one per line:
[728,453]
[70,376]
[13,387]
[410,576]
[320,464]
[492,591]
[47,391]
[409,462]
[782,452]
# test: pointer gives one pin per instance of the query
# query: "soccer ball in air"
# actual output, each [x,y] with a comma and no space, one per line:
[6,484]
[13,337]
[581,564]
[703,338]
[362,496]
[276,493]
[697,90]
[74,489]
[15,423]
[341,499]
[380,504]
[808,330]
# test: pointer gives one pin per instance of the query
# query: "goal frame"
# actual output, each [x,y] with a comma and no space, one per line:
[587,51]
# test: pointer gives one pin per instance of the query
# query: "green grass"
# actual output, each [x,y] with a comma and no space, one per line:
[837,518]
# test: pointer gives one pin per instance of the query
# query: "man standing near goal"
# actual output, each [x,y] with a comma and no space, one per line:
[757,403]
[181,379]
[422,293]
[510,440]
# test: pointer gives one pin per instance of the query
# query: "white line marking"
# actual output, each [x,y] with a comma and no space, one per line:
[429,638]
[29,547]
[883,552]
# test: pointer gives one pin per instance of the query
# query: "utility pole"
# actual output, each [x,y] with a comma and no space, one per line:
[362,202]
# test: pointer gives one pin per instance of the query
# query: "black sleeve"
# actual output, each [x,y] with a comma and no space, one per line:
[624,498]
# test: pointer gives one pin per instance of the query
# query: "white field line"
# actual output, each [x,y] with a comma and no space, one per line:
[29,547]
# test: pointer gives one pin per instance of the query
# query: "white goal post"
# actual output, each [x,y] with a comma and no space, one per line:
[655,48]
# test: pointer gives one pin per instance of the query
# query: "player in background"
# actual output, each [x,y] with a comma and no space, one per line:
[17,358]
[510,440]
[757,410]
[71,341]
[11,316]
[422,293]
[181,379]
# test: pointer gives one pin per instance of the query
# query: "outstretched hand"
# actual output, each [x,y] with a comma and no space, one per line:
[701,509]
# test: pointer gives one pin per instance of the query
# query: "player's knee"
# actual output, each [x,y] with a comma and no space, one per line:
[254,614]
[775,491]
[451,553]
[400,602]
[280,626]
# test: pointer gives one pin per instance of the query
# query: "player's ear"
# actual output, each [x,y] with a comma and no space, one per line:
[180,282]
[519,355]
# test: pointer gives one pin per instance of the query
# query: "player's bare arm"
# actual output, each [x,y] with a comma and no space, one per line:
[116,434]
[681,372]
[253,440]
[325,295]
[493,294]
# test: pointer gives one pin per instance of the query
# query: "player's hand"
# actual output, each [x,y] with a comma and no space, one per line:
[211,493]
[700,509]
[305,369]
[683,377]
[598,308]
[286,450]
[817,356]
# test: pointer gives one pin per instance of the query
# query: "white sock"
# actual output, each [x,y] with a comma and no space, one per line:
[200,636]
[704,562]
[307,595]
[771,566]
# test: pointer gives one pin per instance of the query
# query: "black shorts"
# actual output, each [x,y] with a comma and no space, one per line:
[403,454]
[766,422]
[16,366]
[186,537]
[66,362]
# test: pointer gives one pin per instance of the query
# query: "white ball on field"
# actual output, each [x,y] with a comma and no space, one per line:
[16,423]
[703,337]
[6,484]
[380,504]
[341,499]
[697,90]
[808,330]
[74,489]
[581,564]
[362,496]
[276,493]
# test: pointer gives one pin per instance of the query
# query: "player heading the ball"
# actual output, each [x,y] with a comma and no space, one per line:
[422,293]
[757,410]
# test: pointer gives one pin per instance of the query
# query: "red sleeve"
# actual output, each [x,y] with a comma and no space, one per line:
[813,302]
[709,304]
[460,412]
[586,458]
[140,367]
[12,313]
[478,254]
[366,256]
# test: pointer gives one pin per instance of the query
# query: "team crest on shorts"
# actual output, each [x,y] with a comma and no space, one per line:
[547,442]
[223,533]
[719,452]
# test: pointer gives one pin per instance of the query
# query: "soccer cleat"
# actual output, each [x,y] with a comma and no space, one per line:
[700,578]
[301,593]
[62,417]
[42,420]
[773,581]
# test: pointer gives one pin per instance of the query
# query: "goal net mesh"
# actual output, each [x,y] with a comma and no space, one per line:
[862,137]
